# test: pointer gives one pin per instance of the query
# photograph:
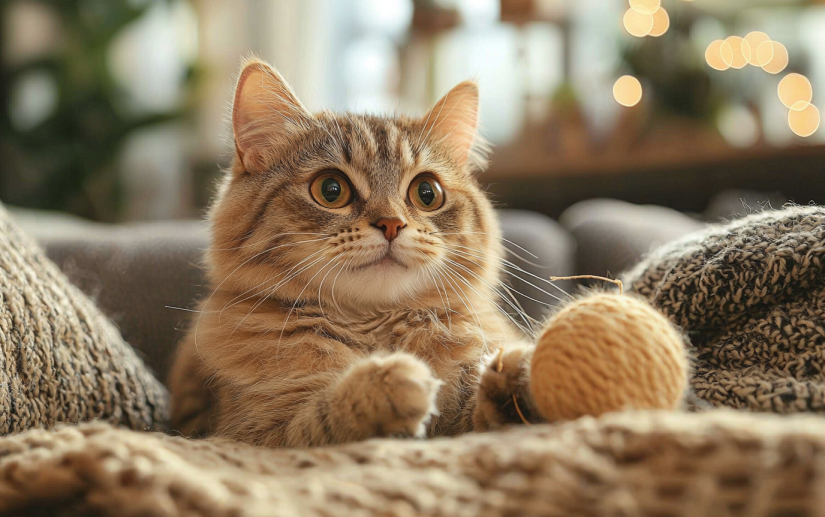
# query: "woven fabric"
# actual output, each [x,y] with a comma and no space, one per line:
[664,464]
[751,298]
[60,359]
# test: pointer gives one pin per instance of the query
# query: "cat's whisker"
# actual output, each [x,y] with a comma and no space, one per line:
[520,311]
[338,262]
[332,290]
[444,301]
[212,294]
[520,270]
[270,238]
[298,299]
[511,288]
[528,331]
[489,235]
[465,256]
[507,250]
[471,308]
[271,292]
[233,302]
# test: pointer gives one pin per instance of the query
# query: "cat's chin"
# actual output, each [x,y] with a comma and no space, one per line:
[383,283]
[384,264]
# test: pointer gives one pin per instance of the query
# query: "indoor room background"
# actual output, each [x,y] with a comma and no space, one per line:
[115,110]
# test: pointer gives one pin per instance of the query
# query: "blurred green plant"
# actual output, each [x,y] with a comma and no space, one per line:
[67,161]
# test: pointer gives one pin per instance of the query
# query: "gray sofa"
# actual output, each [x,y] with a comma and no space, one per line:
[146,277]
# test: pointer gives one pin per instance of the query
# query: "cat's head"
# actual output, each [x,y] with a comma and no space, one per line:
[359,210]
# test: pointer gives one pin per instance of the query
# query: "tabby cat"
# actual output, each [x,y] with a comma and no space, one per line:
[354,277]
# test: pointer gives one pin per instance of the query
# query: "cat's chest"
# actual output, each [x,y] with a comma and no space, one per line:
[402,330]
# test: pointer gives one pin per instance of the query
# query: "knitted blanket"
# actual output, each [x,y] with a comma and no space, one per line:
[61,360]
[751,297]
[711,464]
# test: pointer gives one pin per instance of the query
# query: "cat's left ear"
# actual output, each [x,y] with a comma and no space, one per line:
[453,122]
[266,113]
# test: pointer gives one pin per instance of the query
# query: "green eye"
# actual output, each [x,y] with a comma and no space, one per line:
[331,190]
[426,193]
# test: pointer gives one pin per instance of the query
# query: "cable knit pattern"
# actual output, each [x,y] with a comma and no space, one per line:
[61,360]
[751,297]
[626,464]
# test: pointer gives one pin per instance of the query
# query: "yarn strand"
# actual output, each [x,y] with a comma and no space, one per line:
[591,277]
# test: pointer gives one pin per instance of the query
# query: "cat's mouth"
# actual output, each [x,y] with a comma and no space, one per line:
[387,261]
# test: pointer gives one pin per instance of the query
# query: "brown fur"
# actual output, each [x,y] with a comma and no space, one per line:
[303,342]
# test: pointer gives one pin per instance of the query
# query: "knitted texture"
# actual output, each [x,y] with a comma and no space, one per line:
[60,359]
[751,297]
[663,464]
[607,352]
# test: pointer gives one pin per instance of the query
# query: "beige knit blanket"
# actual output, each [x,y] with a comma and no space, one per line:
[714,464]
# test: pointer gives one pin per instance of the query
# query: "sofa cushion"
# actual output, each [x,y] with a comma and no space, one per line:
[61,360]
[612,235]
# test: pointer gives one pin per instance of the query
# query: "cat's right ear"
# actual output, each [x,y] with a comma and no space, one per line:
[265,113]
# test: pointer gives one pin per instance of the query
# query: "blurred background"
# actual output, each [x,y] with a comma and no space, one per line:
[115,110]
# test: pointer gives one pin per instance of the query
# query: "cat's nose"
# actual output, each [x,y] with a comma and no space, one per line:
[391,227]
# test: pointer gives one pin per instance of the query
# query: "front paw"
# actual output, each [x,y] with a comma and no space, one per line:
[393,395]
[508,374]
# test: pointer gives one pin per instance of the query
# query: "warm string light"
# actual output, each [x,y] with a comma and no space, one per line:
[627,91]
[649,18]
[757,49]
[646,18]
[804,122]
[795,92]
[643,18]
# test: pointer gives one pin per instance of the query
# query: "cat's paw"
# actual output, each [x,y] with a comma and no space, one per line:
[507,374]
[393,395]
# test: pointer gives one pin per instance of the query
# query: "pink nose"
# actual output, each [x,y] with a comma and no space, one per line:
[390,227]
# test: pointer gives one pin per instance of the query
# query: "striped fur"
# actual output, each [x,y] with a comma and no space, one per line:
[305,341]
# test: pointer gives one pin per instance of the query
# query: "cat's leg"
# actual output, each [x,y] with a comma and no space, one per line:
[192,402]
[391,395]
[504,390]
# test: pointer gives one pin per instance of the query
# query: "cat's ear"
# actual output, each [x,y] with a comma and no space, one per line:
[453,122]
[265,113]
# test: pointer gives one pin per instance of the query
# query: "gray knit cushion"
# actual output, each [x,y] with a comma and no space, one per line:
[60,359]
[751,297]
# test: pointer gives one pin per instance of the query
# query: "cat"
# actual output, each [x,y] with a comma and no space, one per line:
[353,268]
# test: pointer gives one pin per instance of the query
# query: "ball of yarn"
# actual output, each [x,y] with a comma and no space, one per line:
[604,353]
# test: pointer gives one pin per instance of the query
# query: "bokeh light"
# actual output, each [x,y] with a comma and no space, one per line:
[645,6]
[627,91]
[661,23]
[740,52]
[738,125]
[754,39]
[795,89]
[804,122]
[637,23]
[713,55]
[778,56]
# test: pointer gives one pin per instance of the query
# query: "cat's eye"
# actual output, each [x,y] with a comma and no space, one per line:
[331,189]
[426,193]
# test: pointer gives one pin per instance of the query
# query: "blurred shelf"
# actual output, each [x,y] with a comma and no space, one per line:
[506,165]
[685,184]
